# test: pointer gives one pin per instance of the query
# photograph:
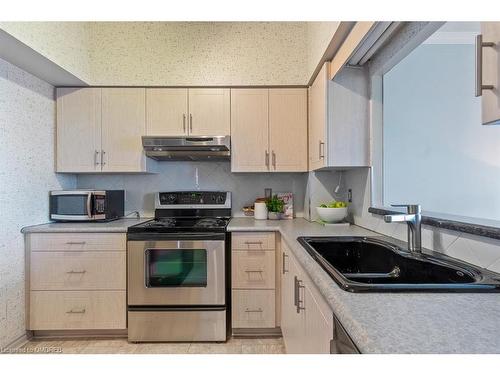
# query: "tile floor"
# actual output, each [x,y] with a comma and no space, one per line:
[122,346]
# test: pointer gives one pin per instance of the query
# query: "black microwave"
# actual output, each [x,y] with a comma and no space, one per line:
[86,205]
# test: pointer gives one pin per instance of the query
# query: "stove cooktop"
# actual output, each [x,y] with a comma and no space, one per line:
[181,224]
[188,211]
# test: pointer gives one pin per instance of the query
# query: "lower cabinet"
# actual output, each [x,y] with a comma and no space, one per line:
[306,319]
[254,285]
[60,310]
[77,281]
[253,309]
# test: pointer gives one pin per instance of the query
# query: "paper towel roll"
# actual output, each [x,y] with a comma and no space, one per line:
[260,211]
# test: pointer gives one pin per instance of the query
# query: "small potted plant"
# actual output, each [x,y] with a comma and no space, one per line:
[275,207]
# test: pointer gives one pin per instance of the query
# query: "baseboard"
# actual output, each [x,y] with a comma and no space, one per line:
[18,342]
[257,332]
[80,334]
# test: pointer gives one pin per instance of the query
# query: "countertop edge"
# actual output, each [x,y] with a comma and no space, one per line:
[115,226]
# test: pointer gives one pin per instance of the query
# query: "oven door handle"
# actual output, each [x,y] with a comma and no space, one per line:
[176,236]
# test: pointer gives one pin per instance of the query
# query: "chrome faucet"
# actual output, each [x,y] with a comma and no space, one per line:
[413,218]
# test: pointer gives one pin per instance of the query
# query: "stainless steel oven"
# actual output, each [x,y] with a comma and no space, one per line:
[177,271]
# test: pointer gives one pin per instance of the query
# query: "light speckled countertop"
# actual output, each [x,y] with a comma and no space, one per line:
[117,226]
[394,322]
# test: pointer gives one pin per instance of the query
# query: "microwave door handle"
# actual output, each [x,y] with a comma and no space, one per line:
[89,204]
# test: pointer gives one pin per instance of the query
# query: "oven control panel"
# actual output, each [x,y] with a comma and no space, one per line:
[193,198]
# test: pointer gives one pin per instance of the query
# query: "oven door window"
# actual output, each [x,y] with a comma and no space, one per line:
[176,268]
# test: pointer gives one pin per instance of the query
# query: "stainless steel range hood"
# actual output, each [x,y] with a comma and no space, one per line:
[187,148]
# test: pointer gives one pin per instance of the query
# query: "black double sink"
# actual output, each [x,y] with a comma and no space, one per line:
[370,264]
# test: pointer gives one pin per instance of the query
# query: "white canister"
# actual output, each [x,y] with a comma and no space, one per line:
[260,211]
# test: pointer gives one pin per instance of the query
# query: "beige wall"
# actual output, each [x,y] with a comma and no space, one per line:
[198,53]
[180,53]
[27,134]
[64,43]
[319,36]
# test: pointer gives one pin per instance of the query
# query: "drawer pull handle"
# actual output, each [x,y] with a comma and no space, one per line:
[253,311]
[73,272]
[76,243]
[253,242]
[82,311]
[254,271]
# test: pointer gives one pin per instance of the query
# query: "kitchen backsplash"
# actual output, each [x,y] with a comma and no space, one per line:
[245,187]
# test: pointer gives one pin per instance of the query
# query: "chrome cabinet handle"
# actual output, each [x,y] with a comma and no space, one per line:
[96,159]
[267,159]
[253,242]
[184,122]
[297,299]
[102,157]
[274,159]
[259,310]
[190,123]
[82,311]
[321,149]
[283,263]
[76,243]
[479,65]
[76,272]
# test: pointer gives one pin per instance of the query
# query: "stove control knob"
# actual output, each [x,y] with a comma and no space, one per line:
[171,198]
[220,199]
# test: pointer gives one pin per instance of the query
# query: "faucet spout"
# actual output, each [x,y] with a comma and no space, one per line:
[398,218]
[413,218]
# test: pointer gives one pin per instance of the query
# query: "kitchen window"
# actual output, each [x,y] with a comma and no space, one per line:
[436,151]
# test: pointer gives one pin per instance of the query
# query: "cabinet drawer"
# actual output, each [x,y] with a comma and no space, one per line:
[78,270]
[253,309]
[253,240]
[77,241]
[253,269]
[53,310]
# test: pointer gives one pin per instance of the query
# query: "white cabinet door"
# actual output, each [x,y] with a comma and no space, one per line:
[310,328]
[123,124]
[348,118]
[166,111]
[292,322]
[288,130]
[209,112]
[249,130]
[490,100]
[78,130]
[318,119]
[318,326]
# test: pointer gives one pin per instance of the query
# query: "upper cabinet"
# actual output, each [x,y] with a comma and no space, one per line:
[249,130]
[166,112]
[338,120]
[288,130]
[488,83]
[99,130]
[209,112]
[123,124]
[269,130]
[188,112]
[318,96]
[78,130]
